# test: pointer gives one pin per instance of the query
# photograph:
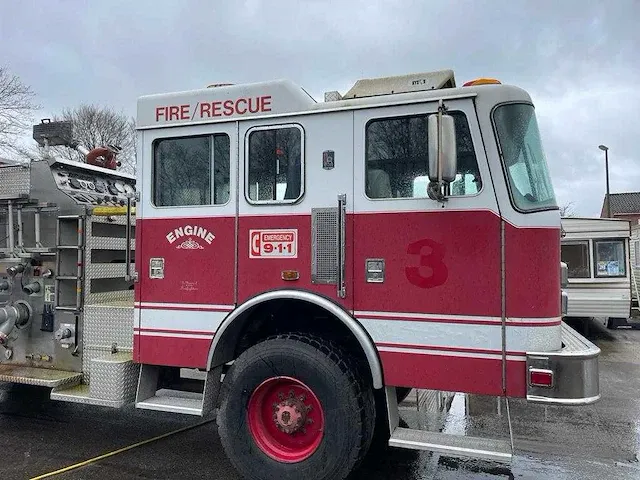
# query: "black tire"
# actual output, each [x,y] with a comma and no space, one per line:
[332,376]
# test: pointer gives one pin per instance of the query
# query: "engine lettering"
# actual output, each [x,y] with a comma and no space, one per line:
[190,231]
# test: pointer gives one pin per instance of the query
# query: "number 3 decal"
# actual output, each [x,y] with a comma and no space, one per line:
[432,260]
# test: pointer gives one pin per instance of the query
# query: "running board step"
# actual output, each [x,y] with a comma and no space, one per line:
[452,445]
[176,401]
[187,402]
[41,377]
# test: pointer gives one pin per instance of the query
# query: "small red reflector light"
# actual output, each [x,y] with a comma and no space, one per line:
[482,81]
[540,378]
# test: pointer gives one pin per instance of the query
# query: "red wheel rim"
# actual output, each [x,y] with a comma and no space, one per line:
[285,419]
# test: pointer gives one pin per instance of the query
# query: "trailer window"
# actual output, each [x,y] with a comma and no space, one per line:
[610,258]
[576,256]
[397,159]
[275,166]
[191,171]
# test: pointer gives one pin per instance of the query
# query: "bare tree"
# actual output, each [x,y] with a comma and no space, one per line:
[16,108]
[566,210]
[96,126]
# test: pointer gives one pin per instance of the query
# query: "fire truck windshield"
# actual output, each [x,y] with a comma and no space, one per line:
[525,164]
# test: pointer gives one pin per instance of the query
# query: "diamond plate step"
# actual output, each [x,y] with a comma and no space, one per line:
[452,445]
[81,394]
[41,377]
[175,401]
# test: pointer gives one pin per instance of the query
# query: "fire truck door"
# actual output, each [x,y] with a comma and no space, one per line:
[424,270]
[295,213]
[187,240]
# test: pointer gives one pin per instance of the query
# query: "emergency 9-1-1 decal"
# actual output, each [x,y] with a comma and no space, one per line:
[280,243]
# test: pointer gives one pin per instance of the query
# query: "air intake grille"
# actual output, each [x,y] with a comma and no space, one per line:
[324,245]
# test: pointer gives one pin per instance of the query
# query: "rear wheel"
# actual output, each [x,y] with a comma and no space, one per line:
[292,407]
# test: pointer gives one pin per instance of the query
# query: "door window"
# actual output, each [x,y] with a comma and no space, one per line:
[275,167]
[397,158]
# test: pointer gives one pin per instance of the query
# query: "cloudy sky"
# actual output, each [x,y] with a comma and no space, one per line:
[580,60]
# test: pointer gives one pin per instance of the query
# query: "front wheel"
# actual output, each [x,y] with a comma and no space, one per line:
[292,407]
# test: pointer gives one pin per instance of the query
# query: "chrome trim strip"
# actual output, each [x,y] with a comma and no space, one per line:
[563,401]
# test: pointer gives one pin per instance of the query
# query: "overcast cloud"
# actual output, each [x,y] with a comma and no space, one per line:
[578,59]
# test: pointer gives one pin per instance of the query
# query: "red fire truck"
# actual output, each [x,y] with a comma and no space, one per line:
[306,263]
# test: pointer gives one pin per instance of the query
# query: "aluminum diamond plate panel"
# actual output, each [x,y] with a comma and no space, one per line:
[123,297]
[104,325]
[15,182]
[115,220]
[81,394]
[114,377]
[106,270]
[41,377]
[109,243]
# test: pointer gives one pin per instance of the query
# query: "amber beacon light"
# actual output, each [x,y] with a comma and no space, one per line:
[482,81]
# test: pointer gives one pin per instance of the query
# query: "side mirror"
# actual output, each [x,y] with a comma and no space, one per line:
[442,148]
[564,274]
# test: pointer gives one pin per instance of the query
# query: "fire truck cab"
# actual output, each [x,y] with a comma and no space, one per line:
[310,259]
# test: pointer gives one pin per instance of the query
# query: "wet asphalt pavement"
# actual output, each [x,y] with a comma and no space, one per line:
[600,441]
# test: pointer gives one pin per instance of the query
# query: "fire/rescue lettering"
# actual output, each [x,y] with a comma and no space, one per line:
[173,112]
[239,106]
[228,108]
[190,231]
[219,108]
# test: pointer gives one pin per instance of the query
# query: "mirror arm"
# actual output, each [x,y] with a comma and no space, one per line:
[434,191]
[440,108]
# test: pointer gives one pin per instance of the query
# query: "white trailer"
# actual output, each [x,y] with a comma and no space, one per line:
[596,251]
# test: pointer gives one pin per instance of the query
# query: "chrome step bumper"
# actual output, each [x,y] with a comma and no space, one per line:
[574,371]
[452,445]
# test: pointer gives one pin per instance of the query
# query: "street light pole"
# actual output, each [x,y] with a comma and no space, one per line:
[605,149]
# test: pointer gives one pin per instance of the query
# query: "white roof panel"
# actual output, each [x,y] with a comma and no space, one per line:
[220,103]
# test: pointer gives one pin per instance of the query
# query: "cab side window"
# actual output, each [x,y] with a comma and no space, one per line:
[397,158]
[190,171]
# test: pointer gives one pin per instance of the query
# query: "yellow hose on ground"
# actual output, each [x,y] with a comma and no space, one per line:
[121,450]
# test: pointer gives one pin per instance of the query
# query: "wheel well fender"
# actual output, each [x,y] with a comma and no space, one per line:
[225,341]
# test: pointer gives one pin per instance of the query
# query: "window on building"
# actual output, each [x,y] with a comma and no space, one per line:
[397,158]
[576,256]
[610,258]
[275,168]
[190,171]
